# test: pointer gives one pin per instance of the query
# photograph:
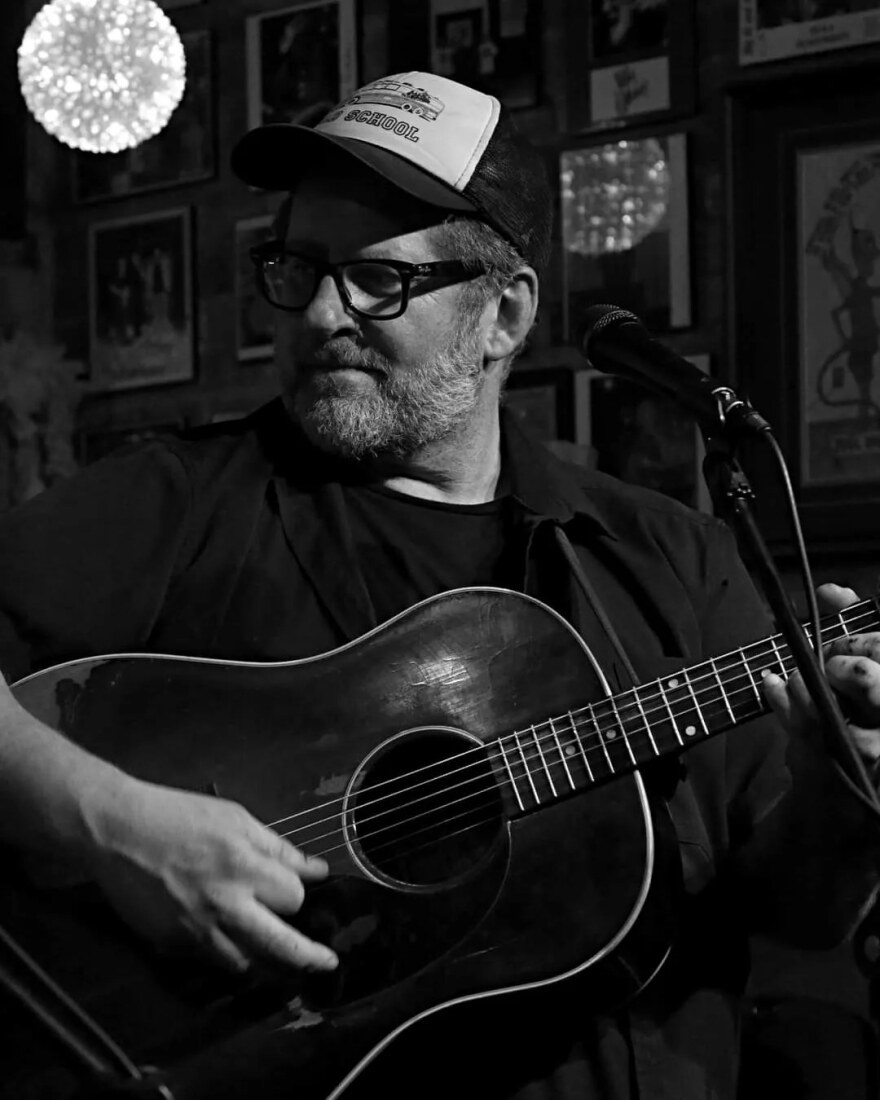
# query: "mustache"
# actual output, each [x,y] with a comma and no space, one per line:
[345,353]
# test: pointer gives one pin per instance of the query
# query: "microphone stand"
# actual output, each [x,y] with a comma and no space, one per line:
[732,496]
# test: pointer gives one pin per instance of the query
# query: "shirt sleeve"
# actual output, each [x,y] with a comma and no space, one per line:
[85,566]
[803,851]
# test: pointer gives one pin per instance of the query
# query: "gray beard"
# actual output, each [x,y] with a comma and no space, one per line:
[422,404]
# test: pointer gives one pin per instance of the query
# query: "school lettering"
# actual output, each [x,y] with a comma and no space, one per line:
[385,122]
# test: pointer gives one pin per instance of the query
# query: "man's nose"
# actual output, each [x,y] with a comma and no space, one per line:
[327,310]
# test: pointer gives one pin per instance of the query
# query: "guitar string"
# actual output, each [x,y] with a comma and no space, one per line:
[615,712]
[375,852]
[447,835]
[536,754]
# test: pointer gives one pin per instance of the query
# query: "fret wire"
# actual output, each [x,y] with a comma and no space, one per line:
[690,688]
[721,687]
[758,697]
[543,759]
[601,738]
[779,657]
[646,722]
[527,768]
[562,756]
[665,699]
[770,645]
[580,743]
[619,721]
[510,773]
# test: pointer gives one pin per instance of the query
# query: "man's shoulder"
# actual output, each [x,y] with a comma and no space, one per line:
[624,508]
[210,451]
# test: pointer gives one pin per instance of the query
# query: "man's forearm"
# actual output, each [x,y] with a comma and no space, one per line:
[50,788]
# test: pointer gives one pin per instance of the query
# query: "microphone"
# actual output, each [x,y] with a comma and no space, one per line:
[615,341]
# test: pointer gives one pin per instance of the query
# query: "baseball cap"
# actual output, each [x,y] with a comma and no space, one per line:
[445,143]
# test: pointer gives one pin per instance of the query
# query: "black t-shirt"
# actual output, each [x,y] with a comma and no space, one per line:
[408,549]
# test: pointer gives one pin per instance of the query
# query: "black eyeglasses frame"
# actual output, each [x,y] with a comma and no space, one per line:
[454,271]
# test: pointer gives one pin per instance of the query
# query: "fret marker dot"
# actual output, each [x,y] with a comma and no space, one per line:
[690,730]
[569,751]
[673,683]
[610,735]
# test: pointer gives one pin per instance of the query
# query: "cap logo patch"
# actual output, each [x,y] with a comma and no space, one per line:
[400,93]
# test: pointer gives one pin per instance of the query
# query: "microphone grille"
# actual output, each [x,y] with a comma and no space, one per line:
[599,317]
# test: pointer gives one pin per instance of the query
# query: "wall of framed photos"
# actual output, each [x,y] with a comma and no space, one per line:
[630,101]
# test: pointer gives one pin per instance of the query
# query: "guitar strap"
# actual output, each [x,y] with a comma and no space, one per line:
[595,603]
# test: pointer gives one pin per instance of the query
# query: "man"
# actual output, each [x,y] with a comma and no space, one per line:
[405,278]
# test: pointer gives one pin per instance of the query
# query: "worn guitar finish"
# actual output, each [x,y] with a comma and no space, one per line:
[435,763]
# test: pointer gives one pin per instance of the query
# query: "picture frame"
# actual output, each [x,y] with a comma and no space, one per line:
[301,61]
[542,400]
[254,316]
[183,152]
[635,63]
[494,45]
[141,325]
[625,230]
[804,183]
[772,30]
[642,437]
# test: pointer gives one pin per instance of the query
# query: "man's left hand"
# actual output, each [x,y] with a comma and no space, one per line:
[852,668]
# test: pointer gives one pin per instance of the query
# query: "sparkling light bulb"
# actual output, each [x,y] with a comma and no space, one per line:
[102,75]
[613,195]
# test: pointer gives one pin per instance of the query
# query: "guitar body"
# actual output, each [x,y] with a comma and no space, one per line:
[510,901]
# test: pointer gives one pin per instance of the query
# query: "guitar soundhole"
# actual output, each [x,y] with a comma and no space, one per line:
[426,809]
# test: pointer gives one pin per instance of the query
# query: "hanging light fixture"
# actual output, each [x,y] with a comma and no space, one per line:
[102,75]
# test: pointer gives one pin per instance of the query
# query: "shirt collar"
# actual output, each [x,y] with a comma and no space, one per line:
[541,483]
[538,481]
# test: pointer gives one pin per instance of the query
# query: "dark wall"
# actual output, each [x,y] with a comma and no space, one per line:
[12,124]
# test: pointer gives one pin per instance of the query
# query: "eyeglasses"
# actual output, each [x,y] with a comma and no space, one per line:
[378,289]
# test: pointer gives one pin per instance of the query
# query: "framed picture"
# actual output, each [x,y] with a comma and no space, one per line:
[639,62]
[806,332]
[494,45]
[625,230]
[642,437]
[301,61]
[255,323]
[184,152]
[141,301]
[774,29]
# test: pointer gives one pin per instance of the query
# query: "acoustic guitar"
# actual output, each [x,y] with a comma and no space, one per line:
[435,763]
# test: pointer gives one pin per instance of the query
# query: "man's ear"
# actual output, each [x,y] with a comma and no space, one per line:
[513,316]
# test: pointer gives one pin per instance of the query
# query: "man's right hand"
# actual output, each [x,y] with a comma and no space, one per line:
[187,868]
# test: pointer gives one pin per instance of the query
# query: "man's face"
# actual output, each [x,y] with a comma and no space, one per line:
[359,386]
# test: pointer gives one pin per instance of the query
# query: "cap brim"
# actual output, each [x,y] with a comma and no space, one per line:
[275,157]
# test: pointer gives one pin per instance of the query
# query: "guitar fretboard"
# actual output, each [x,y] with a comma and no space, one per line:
[614,736]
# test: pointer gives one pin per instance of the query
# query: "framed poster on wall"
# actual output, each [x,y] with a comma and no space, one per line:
[635,62]
[805,273]
[301,61]
[642,437]
[493,44]
[141,301]
[770,30]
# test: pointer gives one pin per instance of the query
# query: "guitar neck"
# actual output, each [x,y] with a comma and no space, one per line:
[613,737]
